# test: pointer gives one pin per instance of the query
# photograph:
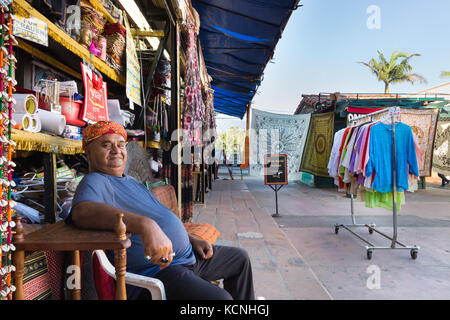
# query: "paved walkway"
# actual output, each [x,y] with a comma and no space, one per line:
[298,255]
[280,272]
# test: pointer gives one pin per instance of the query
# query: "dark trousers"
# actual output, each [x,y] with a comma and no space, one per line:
[444,178]
[231,264]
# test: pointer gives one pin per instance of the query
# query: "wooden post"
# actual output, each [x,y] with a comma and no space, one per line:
[247,143]
[50,187]
[18,258]
[76,291]
[175,110]
[120,260]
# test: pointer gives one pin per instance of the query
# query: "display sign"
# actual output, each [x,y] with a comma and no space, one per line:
[95,107]
[133,81]
[31,29]
[275,169]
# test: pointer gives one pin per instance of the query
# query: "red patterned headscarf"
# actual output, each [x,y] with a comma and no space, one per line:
[100,128]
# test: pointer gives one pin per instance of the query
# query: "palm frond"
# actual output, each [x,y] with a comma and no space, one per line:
[397,69]
[411,78]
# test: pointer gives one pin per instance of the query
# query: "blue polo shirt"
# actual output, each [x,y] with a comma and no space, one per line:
[128,194]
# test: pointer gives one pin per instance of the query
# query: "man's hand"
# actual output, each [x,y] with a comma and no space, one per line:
[202,247]
[156,244]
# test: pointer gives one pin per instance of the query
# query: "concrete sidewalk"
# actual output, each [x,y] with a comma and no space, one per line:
[280,272]
[339,261]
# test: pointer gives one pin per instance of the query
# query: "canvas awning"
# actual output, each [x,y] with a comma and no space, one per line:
[238,38]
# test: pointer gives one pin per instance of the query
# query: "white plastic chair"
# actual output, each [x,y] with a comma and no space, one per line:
[155,286]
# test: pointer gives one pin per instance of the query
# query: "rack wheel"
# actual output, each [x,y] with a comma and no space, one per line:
[370,230]
[414,253]
[336,230]
[369,254]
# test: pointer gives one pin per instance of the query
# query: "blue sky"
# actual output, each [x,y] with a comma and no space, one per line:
[324,40]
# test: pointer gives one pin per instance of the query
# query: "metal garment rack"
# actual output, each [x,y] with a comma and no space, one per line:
[395,244]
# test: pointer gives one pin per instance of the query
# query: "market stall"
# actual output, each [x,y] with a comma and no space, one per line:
[79,62]
[339,109]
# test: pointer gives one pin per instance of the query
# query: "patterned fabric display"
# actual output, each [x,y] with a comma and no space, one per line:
[36,279]
[277,134]
[423,124]
[441,152]
[318,144]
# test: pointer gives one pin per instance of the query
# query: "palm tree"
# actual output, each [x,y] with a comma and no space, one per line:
[393,71]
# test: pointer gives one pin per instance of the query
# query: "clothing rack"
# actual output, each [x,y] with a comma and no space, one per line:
[395,244]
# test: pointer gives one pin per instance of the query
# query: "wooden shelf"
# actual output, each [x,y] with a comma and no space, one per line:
[23,8]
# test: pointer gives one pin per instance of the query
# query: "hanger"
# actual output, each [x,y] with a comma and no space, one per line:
[90,65]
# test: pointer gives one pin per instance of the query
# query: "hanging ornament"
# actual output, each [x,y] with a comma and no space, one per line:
[7,61]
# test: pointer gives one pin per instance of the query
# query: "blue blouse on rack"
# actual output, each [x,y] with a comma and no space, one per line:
[380,156]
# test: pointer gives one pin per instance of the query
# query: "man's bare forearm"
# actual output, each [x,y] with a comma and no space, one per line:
[101,216]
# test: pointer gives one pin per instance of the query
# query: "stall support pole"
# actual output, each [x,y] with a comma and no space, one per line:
[175,112]
[50,187]
[394,186]
[276,188]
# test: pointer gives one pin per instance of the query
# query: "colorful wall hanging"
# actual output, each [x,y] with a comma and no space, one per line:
[318,144]
[193,107]
[441,153]
[423,124]
[288,138]
[133,83]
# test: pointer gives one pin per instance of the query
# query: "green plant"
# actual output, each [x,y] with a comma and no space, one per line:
[232,140]
[396,70]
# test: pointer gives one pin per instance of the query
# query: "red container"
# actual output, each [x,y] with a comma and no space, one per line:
[72,111]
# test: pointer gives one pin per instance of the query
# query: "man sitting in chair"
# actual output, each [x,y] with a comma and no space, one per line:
[161,247]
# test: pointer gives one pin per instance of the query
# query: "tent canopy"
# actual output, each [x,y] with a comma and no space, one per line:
[238,38]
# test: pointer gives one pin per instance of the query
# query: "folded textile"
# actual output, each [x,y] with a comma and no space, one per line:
[110,28]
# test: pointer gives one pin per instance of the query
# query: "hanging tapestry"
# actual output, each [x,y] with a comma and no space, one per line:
[441,152]
[318,144]
[193,107]
[187,207]
[277,134]
[209,127]
[423,124]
